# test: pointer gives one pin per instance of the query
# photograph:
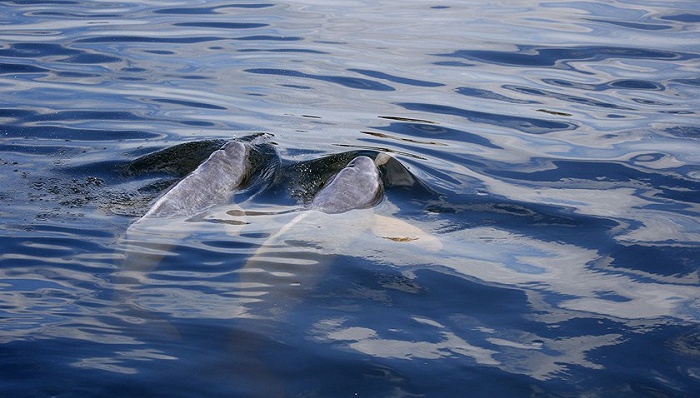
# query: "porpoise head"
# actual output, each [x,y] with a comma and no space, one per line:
[357,186]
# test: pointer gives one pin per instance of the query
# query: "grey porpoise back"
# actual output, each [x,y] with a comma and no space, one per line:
[357,186]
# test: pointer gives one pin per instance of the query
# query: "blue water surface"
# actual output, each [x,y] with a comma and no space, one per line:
[557,144]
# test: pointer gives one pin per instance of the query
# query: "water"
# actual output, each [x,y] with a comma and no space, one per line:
[558,147]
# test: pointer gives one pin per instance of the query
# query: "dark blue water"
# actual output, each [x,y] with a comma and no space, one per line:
[557,149]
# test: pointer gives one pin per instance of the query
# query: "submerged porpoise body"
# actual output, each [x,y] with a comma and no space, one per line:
[300,241]
[185,208]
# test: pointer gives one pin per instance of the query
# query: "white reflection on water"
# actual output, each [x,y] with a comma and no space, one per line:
[369,342]
[114,362]
[543,359]
[647,225]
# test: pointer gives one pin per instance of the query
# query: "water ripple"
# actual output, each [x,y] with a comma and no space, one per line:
[524,124]
[396,79]
[351,82]
[221,25]
[565,58]
[208,10]
[148,39]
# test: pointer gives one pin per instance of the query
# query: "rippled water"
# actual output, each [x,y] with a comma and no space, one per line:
[555,144]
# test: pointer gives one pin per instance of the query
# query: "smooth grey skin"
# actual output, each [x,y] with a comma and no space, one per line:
[357,186]
[212,183]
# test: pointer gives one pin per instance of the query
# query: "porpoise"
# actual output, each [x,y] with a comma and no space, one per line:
[341,200]
[357,186]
